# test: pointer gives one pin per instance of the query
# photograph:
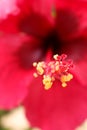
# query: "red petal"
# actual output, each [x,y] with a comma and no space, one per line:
[71,18]
[13,79]
[58,108]
[35,24]
[77,51]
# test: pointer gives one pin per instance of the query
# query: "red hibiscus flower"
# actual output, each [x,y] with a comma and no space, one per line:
[61,28]
[60,108]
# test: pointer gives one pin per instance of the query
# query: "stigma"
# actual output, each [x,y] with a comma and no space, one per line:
[56,69]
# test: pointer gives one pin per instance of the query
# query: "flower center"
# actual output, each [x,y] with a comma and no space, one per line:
[52,41]
[58,69]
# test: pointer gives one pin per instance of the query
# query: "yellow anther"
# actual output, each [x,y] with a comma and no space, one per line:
[40,71]
[63,78]
[35,75]
[57,66]
[55,56]
[66,78]
[47,81]
[69,77]
[39,68]
[64,84]
[35,64]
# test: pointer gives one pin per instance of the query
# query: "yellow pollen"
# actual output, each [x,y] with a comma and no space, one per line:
[64,84]
[55,56]
[66,78]
[40,68]
[57,69]
[47,81]
[57,66]
[35,75]
[34,64]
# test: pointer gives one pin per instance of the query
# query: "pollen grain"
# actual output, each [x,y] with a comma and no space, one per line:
[57,69]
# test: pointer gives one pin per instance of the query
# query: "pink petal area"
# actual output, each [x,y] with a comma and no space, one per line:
[9,25]
[43,7]
[13,88]
[72,21]
[80,71]
[58,108]
[35,24]
[14,80]
[8,7]
[77,51]
[66,23]
[80,8]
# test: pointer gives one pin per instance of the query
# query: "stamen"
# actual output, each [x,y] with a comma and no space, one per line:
[47,81]
[58,69]
[66,78]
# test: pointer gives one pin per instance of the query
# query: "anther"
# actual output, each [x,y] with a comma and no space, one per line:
[47,81]
[57,69]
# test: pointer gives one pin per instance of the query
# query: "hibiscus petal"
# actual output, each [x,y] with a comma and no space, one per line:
[35,24]
[8,7]
[43,7]
[76,50]
[66,23]
[13,79]
[72,18]
[58,108]
[80,71]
